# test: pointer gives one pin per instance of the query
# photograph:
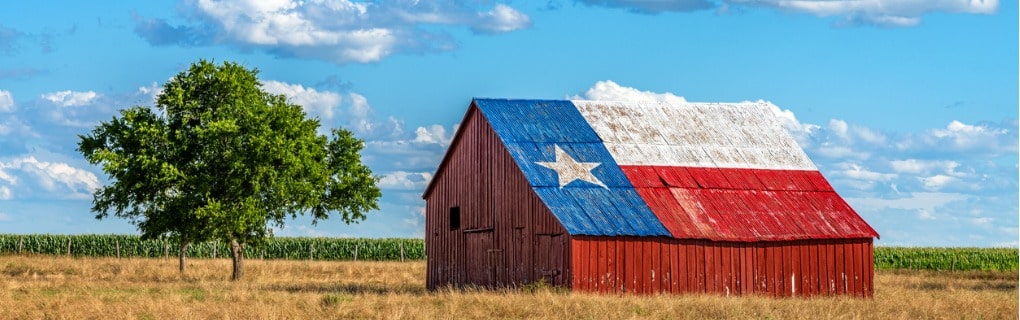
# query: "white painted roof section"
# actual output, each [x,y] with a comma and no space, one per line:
[724,135]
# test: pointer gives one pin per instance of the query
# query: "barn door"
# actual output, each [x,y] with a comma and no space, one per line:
[481,264]
[550,257]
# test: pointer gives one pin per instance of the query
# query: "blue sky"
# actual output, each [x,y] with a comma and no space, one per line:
[908,107]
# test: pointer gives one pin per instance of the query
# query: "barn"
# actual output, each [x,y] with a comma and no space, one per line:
[639,198]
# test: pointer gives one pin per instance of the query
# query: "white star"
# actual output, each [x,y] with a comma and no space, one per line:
[568,169]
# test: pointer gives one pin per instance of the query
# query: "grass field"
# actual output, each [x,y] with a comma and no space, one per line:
[51,287]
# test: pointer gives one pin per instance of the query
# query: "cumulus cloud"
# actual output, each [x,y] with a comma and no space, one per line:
[857,172]
[320,103]
[937,181]
[77,108]
[884,13]
[150,91]
[6,101]
[924,204]
[26,174]
[13,125]
[611,91]
[389,147]
[340,31]
[69,98]
[501,19]
[403,180]
[432,134]
[889,13]
[959,136]
[915,166]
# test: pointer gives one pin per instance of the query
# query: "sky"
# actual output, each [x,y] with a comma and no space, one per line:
[909,107]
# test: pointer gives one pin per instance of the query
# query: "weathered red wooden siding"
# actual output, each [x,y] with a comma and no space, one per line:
[507,235]
[786,268]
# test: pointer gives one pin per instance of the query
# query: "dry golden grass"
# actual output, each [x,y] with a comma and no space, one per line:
[45,287]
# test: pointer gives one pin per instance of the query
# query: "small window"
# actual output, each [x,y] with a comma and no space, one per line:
[454,218]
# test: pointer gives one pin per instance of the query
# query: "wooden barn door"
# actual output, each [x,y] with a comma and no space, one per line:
[482,258]
[550,257]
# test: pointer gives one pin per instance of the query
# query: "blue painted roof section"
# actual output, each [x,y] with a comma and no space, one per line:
[532,129]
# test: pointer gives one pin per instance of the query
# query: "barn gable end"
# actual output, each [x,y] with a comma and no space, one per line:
[644,198]
[506,235]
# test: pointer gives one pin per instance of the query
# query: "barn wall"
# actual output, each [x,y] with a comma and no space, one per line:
[507,236]
[790,268]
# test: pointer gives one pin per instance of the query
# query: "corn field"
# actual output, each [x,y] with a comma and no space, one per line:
[128,246]
[988,259]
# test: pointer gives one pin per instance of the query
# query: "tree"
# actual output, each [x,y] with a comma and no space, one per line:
[225,160]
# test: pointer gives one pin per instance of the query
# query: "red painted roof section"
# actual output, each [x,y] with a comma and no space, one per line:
[738,204]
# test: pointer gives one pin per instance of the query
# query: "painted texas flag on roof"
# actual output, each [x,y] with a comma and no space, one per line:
[725,172]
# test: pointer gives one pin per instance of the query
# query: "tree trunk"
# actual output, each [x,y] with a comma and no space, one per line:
[237,253]
[183,256]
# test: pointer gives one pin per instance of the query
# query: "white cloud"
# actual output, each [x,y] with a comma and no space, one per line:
[403,180]
[6,194]
[886,13]
[502,18]
[7,177]
[937,182]
[432,134]
[841,152]
[6,101]
[889,13]
[856,171]
[868,135]
[151,91]
[983,221]
[69,98]
[925,214]
[13,125]
[800,131]
[320,103]
[961,136]
[340,31]
[610,91]
[59,179]
[839,128]
[916,166]
[926,204]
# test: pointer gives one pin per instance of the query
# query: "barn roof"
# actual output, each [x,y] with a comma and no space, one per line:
[725,172]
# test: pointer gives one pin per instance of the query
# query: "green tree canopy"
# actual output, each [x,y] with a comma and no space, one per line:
[223,159]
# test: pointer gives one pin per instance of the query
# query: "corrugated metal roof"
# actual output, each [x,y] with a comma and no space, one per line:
[690,171]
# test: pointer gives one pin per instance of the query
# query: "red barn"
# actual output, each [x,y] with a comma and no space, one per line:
[639,197]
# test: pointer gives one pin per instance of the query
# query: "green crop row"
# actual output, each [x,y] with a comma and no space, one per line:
[998,259]
[276,248]
[989,259]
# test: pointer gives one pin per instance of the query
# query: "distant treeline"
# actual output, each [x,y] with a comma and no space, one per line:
[129,246]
